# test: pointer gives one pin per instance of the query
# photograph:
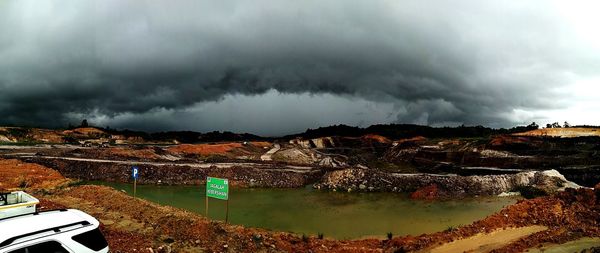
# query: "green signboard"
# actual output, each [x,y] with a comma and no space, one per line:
[217,188]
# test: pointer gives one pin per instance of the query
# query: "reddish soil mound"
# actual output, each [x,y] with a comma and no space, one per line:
[146,153]
[451,142]
[410,141]
[261,144]
[204,149]
[16,174]
[124,241]
[429,192]
[84,131]
[116,153]
[508,140]
[45,135]
[375,137]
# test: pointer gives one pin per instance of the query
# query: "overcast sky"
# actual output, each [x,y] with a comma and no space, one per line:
[278,67]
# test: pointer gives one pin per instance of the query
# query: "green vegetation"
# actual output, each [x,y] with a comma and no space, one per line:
[401,131]
[73,183]
[17,132]
[23,183]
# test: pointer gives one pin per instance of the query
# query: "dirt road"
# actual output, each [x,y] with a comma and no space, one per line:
[268,156]
[486,242]
[290,168]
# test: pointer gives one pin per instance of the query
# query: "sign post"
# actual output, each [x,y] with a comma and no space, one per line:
[217,188]
[135,174]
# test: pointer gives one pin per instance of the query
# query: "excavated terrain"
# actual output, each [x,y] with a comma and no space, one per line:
[293,166]
[17,174]
[242,175]
[577,158]
[532,163]
[442,186]
[135,225]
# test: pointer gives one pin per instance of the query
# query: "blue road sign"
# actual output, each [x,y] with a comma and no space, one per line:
[135,172]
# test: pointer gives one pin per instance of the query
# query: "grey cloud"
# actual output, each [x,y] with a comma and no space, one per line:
[268,114]
[440,61]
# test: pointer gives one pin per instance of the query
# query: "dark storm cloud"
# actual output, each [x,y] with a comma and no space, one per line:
[438,62]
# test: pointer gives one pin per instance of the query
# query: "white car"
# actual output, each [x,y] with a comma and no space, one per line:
[57,231]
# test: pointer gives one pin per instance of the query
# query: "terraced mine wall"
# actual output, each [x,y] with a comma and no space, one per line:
[587,176]
[582,168]
[346,179]
[583,175]
[442,185]
[243,176]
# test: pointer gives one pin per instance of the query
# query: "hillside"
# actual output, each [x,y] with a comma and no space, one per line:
[562,132]
[96,135]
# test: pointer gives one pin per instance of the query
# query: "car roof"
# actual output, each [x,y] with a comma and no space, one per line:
[29,224]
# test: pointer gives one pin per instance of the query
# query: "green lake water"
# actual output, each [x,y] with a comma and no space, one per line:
[337,215]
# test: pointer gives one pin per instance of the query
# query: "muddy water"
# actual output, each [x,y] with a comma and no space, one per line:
[336,215]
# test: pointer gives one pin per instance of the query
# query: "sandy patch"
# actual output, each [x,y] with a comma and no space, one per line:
[562,132]
[487,242]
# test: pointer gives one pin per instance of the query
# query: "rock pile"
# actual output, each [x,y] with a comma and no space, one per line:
[172,174]
[358,179]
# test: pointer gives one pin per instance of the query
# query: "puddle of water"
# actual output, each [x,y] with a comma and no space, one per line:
[569,247]
[335,214]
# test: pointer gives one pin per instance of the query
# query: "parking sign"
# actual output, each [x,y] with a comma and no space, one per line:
[134,172]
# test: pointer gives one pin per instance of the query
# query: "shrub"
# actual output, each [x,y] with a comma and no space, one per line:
[23,183]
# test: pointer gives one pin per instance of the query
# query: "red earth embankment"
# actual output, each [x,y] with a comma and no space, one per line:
[204,149]
[16,174]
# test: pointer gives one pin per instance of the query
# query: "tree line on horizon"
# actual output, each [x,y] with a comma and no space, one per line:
[391,131]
